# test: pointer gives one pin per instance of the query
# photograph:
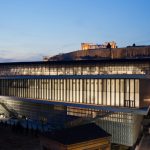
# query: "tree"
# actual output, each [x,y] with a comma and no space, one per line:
[133,45]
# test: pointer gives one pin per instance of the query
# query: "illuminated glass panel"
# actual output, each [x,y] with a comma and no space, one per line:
[96,91]
[81,91]
[88,92]
[113,92]
[108,92]
[136,93]
[122,92]
[104,89]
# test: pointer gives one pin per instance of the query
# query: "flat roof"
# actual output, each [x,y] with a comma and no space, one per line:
[76,62]
[78,134]
[139,111]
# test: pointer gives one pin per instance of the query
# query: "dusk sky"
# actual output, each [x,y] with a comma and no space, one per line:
[30,29]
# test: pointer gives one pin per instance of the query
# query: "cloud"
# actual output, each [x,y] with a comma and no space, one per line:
[11,56]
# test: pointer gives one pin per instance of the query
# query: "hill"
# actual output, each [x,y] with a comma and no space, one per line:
[104,53]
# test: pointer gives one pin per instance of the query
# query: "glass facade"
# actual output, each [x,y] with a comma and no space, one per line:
[39,112]
[107,92]
[124,127]
[75,68]
[21,83]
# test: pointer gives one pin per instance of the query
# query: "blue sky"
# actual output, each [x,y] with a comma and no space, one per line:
[30,29]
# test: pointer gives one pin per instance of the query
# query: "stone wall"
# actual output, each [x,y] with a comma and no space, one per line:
[95,54]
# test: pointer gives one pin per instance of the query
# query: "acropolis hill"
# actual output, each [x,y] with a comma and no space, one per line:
[105,53]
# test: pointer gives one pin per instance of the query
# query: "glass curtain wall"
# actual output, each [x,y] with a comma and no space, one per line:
[108,92]
[73,69]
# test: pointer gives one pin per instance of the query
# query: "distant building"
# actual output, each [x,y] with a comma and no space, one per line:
[87,46]
[87,137]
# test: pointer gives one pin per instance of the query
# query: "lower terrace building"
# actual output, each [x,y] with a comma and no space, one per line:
[77,138]
[114,92]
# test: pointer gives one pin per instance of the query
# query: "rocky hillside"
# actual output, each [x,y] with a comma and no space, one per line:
[95,54]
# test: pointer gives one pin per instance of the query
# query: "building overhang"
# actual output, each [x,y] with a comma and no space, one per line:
[137,111]
[102,76]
